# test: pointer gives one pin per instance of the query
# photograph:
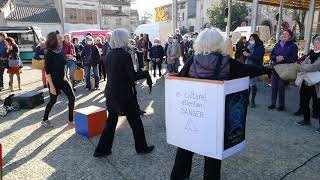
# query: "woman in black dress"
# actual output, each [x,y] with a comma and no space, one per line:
[57,81]
[120,96]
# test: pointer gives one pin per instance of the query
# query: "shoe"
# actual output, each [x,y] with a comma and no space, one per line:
[148,150]
[271,107]
[303,123]
[45,86]
[280,108]
[100,155]
[298,113]
[253,104]
[87,89]
[46,124]
[154,76]
[142,112]
[318,130]
[96,88]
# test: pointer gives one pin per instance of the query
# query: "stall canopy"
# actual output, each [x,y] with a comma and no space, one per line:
[291,4]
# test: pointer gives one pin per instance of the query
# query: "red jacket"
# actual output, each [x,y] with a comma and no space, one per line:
[68,49]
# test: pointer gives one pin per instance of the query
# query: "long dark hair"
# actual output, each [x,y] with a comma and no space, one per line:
[52,40]
[256,39]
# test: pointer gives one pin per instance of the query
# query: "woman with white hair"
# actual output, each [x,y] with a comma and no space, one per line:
[209,62]
[173,55]
[120,97]
[311,64]
[39,55]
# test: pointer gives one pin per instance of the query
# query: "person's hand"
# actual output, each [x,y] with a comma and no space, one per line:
[279,58]
[246,54]
[41,56]
[53,91]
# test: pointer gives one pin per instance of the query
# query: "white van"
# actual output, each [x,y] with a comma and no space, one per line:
[159,30]
[263,32]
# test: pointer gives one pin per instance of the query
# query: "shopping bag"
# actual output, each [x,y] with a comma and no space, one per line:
[38,64]
[312,78]
[287,72]
[78,74]
[92,83]
[14,63]
[299,79]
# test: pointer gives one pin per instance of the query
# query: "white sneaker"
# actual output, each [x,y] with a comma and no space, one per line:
[46,124]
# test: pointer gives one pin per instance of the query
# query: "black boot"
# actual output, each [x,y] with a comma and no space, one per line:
[306,117]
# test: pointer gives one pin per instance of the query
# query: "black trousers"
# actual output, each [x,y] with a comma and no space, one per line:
[183,163]
[306,93]
[133,117]
[140,61]
[102,71]
[2,68]
[67,90]
[156,64]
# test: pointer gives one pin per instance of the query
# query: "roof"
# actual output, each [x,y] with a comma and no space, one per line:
[106,12]
[292,4]
[34,14]
[3,3]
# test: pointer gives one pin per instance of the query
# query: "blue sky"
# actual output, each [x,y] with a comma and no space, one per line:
[148,5]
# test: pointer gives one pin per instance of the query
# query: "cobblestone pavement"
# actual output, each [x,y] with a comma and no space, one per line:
[275,143]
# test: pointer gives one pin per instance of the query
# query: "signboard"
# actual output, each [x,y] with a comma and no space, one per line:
[206,117]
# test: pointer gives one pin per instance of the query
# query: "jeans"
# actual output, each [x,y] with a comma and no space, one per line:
[71,67]
[67,90]
[183,163]
[87,72]
[2,68]
[278,90]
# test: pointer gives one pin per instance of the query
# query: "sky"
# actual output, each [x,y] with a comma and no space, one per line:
[148,5]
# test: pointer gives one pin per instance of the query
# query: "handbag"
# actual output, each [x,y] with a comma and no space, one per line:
[78,74]
[14,63]
[287,72]
[312,78]
[38,64]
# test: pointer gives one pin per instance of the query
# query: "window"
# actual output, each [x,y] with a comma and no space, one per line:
[191,28]
[71,15]
[118,21]
[183,6]
[83,16]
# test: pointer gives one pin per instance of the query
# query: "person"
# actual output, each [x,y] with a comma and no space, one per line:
[13,54]
[78,49]
[133,52]
[284,52]
[106,47]
[120,97]
[240,48]
[102,72]
[184,48]
[254,55]
[139,43]
[39,54]
[146,45]
[69,55]
[178,35]
[209,62]
[311,64]
[170,39]
[84,42]
[173,55]
[57,81]
[91,58]
[229,45]
[3,55]
[156,55]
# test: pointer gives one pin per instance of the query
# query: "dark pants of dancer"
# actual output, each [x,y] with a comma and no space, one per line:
[2,68]
[183,163]
[140,61]
[133,117]
[67,90]
[306,93]
[278,90]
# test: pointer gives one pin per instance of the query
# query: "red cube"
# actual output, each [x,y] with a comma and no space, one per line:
[90,121]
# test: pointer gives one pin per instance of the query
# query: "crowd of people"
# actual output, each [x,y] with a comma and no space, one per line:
[122,59]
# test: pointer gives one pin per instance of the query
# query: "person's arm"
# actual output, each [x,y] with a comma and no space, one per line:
[308,67]
[239,70]
[73,51]
[161,52]
[49,70]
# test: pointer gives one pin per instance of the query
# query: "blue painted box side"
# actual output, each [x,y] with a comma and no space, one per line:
[81,124]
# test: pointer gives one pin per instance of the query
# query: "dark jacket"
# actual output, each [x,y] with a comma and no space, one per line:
[240,48]
[211,66]
[105,49]
[3,50]
[256,57]
[289,52]
[90,55]
[121,77]
[78,49]
[157,52]
[39,52]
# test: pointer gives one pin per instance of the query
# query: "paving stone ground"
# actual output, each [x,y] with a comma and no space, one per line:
[275,144]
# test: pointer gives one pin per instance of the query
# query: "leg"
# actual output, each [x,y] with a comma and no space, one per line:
[154,65]
[182,165]
[87,70]
[274,84]
[212,168]
[52,101]
[71,98]
[72,69]
[254,90]
[2,68]
[315,105]
[305,94]
[133,117]
[11,81]
[160,68]
[43,77]
[107,136]
[104,73]
[96,75]
[281,92]
[19,81]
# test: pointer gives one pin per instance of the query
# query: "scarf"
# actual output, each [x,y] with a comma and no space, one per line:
[314,56]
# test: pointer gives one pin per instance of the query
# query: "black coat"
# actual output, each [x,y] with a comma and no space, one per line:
[90,55]
[121,76]
[157,52]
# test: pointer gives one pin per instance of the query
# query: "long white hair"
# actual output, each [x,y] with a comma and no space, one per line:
[120,38]
[209,41]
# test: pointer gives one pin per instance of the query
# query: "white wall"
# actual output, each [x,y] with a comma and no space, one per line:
[46,28]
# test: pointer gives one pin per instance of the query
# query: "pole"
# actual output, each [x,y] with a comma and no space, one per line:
[280,20]
[255,8]
[174,16]
[229,18]
[308,35]
[62,18]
